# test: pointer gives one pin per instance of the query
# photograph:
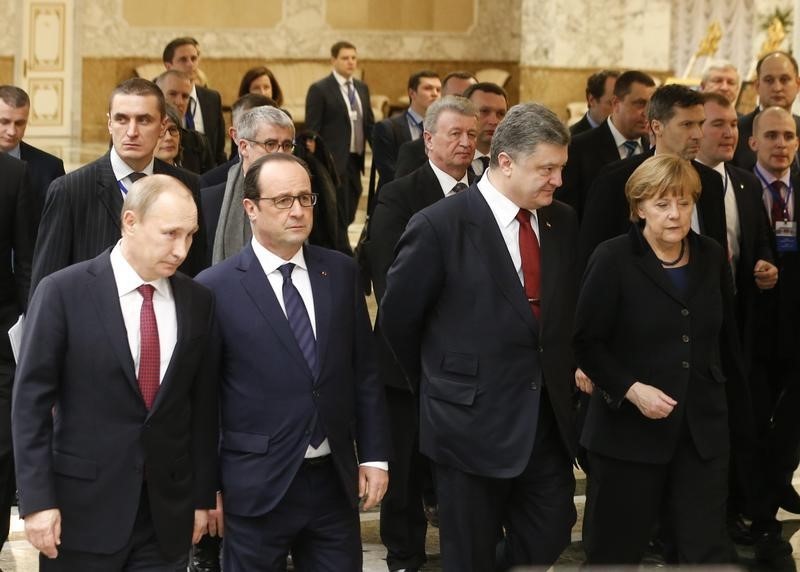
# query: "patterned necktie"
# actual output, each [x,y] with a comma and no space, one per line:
[458,187]
[530,254]
[149,348]
[630,147]
[358,123]
[778,201]
[188,117]
[300,324]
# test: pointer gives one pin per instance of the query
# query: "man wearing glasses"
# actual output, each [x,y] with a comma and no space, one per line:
[298,387]
[262,130]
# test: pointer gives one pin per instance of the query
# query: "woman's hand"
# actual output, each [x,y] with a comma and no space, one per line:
[583,382]
[651,401]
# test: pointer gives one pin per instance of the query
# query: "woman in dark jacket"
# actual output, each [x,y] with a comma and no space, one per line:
[653,309]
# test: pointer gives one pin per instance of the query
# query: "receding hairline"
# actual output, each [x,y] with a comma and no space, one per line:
[770,111]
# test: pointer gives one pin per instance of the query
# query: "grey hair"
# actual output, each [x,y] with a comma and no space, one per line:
[250,121]
[718,65]
[455,103]
[525,126]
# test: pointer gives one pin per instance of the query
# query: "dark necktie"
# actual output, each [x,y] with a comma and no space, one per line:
[630,147]
[458,187]
[135,176]
[358,124]
[149,349]
[529,252]
[778,202]
[300,324]
[485,162]
[189,115]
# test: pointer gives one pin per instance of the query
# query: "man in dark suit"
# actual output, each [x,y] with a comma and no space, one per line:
[491,101]
[752,264]
[478,310]
[424,87]
[114,415]
[675,116]
[81,213]
[411,154]
[204,113]
[195,151]
[776,393]
[777,84]
[43,168]
[622,135]
[338,108]
[599,95]
[403,522]
[290,474]
[16,247]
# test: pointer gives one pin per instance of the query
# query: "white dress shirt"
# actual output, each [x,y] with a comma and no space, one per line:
[477,164]
[505,214]
[414,120]
[130,301]
[446,182]
[16,152]
[734,229]
[122,171]
[342,81]
[620,139]
[270,263]
[197,113]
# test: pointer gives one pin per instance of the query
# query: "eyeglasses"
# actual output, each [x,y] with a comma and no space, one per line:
[174,131]
[272,145]
[287,201]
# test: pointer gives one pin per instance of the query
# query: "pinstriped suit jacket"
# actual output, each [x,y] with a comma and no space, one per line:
[81,218]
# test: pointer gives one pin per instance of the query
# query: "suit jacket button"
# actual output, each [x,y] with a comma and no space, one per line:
[541,350]
[534,386]
[315,394]
[685,365]
[685,338]
[684,312]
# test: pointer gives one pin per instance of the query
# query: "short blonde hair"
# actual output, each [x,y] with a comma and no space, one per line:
[144,192]
[659,176]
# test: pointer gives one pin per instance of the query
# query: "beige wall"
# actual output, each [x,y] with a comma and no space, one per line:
[250,14]
[6,69]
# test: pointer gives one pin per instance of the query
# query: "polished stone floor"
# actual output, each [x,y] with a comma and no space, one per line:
[19,556]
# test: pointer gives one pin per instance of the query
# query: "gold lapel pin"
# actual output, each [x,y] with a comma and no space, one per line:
[547,224]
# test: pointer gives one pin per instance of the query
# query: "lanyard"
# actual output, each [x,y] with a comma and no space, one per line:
[122,188]
[776,196]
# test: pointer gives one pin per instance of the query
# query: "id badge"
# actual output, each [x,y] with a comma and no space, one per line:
[786,236]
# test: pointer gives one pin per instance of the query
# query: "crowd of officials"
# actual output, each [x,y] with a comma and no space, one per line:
[198,383]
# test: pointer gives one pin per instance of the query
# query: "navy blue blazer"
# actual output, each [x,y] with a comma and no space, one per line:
[85,437]
[387,137]
[270,399]
[43,169]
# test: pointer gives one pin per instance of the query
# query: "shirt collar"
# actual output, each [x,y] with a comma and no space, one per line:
[415,117]
[270,262]
[591,121]
[478,155]
[128,280]
[503,208]
[446,181]
[341,80]
[619,138]
[193,93]
[122,169]
[770,178]
[15,152]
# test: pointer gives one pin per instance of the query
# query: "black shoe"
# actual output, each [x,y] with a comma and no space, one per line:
[789,499]
[432,514]
[771,547]
[739,530]
[205,555]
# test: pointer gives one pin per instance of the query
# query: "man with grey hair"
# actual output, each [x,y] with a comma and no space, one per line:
[260,131]
[478,311]
[450,134]
[722,77]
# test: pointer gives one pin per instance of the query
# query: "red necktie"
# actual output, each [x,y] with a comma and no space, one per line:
[778,202]
[529,252]
[149,349]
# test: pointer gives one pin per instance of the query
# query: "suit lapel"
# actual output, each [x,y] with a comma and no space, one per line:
[550,255]
[321,287]
[104,292]
[183,302]
[608,147]
[488,241]
[108,192]
[647,262]
[257,286]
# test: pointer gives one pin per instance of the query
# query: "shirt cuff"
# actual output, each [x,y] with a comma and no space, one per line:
[382,465]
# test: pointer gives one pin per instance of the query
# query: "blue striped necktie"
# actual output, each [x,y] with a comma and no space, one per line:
[630,146]
[297,315]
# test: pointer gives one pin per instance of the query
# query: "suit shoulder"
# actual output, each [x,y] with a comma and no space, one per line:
[221,272]
[11,166]
[745,176]
[562,210]
[31,153]
[328,256]
[192,180]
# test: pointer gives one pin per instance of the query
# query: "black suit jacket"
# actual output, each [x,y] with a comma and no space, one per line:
[606,212]
[675,345]
[457,318]
[213,122]
[211,200]
[218,174]
[581,126]
[270,399]
[196,153]
[81,218]
[398,201]
[327,114]
[410,157]
[387,137]
[16,246]
[588,153]
[85,439]
[744,157]
[43,169]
